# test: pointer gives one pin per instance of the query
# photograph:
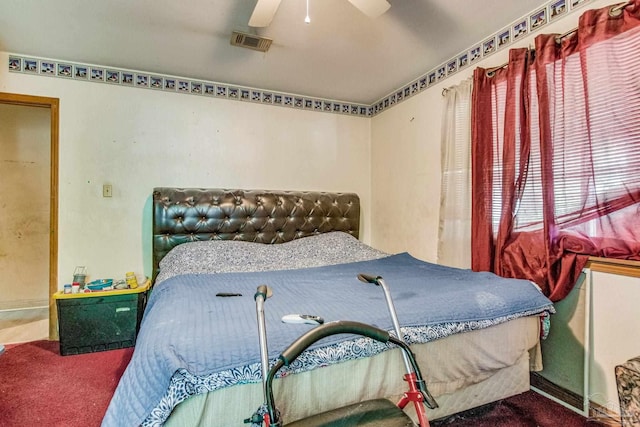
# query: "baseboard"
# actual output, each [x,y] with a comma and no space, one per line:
[561,393]
[30,304]
[575,401]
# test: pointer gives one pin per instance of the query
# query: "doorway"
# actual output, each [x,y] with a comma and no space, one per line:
[29,240]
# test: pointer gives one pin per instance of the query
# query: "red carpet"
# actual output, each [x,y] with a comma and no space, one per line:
[38,387]
[524,410]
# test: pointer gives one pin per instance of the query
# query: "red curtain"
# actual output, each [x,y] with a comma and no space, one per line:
[556,153]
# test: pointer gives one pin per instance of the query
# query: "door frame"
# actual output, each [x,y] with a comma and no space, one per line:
[53,104]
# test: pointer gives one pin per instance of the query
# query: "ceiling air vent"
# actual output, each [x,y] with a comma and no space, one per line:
[250,41]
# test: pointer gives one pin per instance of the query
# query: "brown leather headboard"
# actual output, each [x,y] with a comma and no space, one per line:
[191,214]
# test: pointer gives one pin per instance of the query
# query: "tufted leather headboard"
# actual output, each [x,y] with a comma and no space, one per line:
[191,214]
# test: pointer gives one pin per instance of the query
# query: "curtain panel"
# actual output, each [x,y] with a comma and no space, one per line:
[556,153]
[454,231]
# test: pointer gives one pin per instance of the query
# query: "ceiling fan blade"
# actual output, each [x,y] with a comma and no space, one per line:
[263,13]
[371,8]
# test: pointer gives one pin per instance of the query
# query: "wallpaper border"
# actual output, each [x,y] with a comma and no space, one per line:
[527,24]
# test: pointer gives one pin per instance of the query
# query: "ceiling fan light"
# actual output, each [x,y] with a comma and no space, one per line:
[307,20]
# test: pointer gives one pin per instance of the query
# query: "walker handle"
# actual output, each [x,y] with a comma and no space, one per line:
[368,278]
[264,291]
[331,328]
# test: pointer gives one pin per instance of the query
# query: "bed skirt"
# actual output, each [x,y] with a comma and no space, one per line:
[489,364]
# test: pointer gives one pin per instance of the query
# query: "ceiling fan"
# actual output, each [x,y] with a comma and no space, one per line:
[265,10]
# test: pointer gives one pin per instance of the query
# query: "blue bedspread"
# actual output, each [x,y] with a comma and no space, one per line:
[189,332]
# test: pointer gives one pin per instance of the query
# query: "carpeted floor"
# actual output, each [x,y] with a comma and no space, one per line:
[38,387]
[524,410]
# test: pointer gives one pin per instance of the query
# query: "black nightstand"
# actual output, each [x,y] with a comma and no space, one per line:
[99,321]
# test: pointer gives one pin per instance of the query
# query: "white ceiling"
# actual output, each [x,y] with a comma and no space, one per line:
[342,54]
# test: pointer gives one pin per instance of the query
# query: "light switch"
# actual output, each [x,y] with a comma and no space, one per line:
[106,190]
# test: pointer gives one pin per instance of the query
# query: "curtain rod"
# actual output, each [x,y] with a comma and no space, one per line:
[447,89]
[614,12]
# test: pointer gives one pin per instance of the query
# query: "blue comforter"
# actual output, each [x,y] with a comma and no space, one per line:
[188,332]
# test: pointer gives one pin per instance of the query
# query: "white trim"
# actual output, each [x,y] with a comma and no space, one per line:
[587,342]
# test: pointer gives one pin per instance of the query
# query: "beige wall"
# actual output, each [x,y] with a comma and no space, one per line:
[614,336]
[137,139]
[24,210]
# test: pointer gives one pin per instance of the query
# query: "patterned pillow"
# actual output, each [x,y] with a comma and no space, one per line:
[226,256]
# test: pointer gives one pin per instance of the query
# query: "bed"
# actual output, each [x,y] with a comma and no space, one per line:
[196,360]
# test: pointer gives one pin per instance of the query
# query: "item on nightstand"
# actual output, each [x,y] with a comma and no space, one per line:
[80,275]
[100,285]
[67,288]
[75,287]
[131,280]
